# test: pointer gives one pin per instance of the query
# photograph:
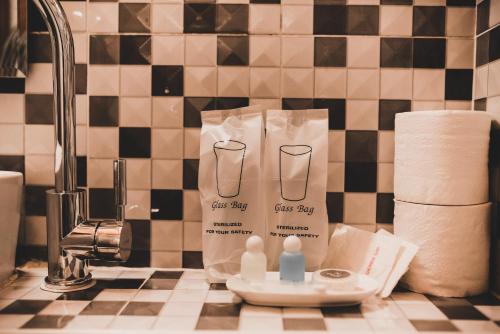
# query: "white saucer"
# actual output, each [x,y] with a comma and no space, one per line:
[273,292]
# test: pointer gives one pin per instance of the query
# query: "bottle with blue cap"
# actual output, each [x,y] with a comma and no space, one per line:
[292,261]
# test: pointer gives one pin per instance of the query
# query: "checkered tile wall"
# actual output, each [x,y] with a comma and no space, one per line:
[146,69]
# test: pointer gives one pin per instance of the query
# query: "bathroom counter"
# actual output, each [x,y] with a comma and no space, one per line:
[149,300]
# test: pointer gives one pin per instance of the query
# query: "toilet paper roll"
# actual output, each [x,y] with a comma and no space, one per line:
[441,157]
[453,255]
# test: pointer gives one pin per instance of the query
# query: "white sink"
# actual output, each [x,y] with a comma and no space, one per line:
[11,189]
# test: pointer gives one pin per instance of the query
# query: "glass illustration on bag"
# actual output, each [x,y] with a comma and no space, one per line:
[294,165]
[229,156]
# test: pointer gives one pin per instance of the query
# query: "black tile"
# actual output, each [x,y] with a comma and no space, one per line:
[429,20]
[193,106]
[461,3]
[422,58]
[88,294]
[135,142]
[34,197]
[396,2]
[29,253]
[160,284]
[103,110]
[385,208]
[143,308]
[362,20]
[167,80]
[135,49]
[220,310]
[190,173]
[480,104]
[304,324]
[388,110]
[266,1]
[137,259]
[191,259]
[448,301]
[342,312]
[483,16]
[166,204]
[336,112]
[81,171]
[102,203]
[458,84]
[35,20]
[486,299]
[103,308]
[232,50]
[134,17]
[483,49]
[330,20]
[48,321]
[459,312]
[361,146]
[335,207]
[330,51]
[124,283]
[217,323]
[231,102]
[104,49]
[199,18]
[434,326]
[39,48]
[231,18]
[218,286]
[494,49]
[396,52]
[11,85]
[39,109]
[167,274]
[14,163]
[25,306]
[360,177]
[296,103]
[141,234]
[81,78]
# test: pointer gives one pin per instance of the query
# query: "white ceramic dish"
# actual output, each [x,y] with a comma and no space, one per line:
[273,292]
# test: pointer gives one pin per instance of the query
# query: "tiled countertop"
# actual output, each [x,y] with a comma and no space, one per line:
[182,301]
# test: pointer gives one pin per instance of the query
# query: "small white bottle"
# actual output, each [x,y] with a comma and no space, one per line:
[254,261]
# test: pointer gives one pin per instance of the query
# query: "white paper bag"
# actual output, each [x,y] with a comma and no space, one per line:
[295,176]
[230,187]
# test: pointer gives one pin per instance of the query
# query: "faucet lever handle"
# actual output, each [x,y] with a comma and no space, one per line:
[120,187]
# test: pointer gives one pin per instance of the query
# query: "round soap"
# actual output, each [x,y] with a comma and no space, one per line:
[335,279]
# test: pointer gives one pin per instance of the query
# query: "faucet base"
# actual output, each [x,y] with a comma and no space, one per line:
[65,286]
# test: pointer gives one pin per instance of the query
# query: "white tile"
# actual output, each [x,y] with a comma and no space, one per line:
[102,17]
[39,294]
[161,259]
[493,104]
[139,174]
[266,103]
[265,51]
[35,231]
[428,84]
[82,109]
[264,19]
[297,82]
[167,18]
[81,48]
[392,326]
[265,82]
[138,204]
[147,295]
[188,296]
[200,81]
[115,295]
[362,115]
[360,208]
[347,325]
[76,13]
[254,311]
[494,78]
[192,236]
[261,324]
[92,322]
[100,173]
[382,310]
[192,205]
[192,143]
[14,321]
[168,50]
[297,51]
[476,326]
[385,146]
[385,178]
[65,307]
[39,169]
[135,111]
[190,285]
[363,84]
[297,20]
[81,140]
[418,310]
[182,309]
[167,174]
[168,112]
[396,83]
[336,145]
[103,142]
[298,312]
[201,50]
[166,235]
[135,80]
[12,139]
[39,79]
[363,51]
[460,53]
[14,292]
[187,323]
[222,296]
[39,139]
[492,312]
[335,180]
[458,105]
[12,108]
[27,282]
[166,143]
[103,80]
[481,82]
[396,20]
[137,322]
[460,21]
[233,81]
[427,105]
[494,13]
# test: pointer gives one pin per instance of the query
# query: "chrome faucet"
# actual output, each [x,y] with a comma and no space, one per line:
[72,238]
